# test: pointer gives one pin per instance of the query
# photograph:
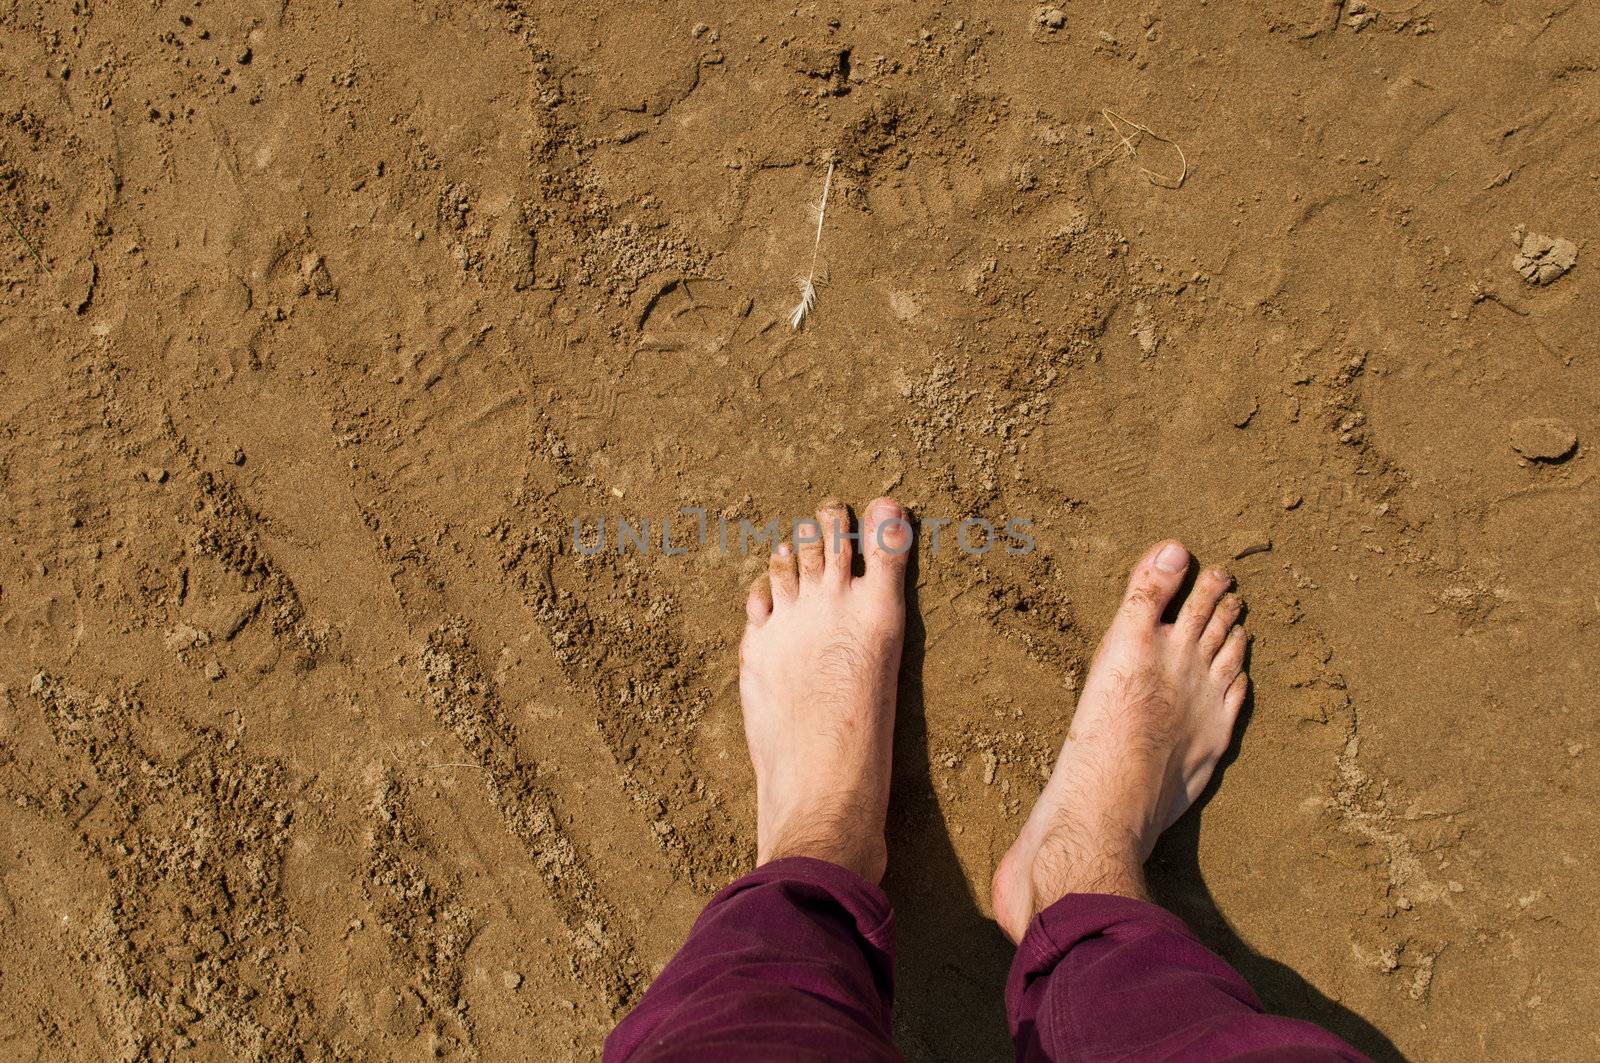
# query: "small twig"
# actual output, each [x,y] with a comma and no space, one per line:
[26,243]
[1129,145]
[808,287]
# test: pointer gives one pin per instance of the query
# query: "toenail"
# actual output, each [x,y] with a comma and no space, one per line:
[894,535]
[1172,558]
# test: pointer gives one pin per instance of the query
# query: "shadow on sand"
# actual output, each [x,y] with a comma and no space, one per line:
[952,960]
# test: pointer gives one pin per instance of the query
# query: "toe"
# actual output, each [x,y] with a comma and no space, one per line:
[1230,659]
[886,544]
[758,603]
[1155,580]
[1233,700]
[808,546]
[1221,622]
[1201,604]
[838,551]
[784,578]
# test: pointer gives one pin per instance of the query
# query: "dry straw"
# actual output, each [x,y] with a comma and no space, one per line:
[26,242]
[808,286]
[1130,144]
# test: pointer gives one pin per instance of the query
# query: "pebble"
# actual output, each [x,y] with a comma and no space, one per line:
[186,636]
[512,980]
[1543,438]
[1541,259]
[1052,18]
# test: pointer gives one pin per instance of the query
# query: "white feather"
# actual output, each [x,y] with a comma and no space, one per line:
[808,300]
[808,286]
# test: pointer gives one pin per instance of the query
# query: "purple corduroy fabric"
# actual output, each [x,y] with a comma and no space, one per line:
[1101,977]
[795,961]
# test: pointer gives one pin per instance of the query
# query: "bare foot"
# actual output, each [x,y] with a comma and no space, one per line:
[817,675]
[1156,714]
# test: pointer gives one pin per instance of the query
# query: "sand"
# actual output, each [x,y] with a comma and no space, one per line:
[320,324]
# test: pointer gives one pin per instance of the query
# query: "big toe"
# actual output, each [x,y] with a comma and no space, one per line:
[1153,583]
[886,545]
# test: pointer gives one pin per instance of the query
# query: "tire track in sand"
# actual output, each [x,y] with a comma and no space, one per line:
[464,698]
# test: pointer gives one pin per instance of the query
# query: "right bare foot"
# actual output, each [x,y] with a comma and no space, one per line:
[1156,714]
[818,668]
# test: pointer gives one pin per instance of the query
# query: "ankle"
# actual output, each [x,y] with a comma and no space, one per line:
[868,858]
[844,828]
[1116,879]
[1064,866]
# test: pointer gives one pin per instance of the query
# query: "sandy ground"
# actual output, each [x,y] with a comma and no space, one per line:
[321,323]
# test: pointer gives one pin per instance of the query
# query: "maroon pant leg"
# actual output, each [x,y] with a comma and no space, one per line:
[792,962]
[1103,977]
